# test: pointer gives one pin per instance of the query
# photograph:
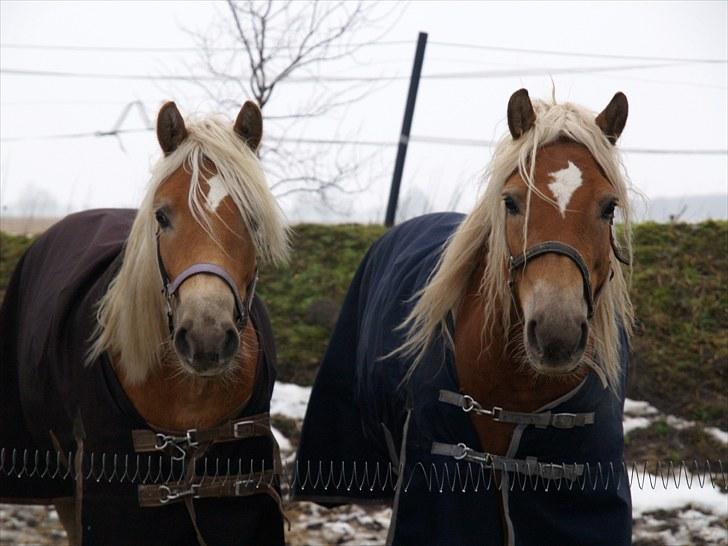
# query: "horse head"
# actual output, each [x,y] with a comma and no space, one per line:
[558,229]
[206,254]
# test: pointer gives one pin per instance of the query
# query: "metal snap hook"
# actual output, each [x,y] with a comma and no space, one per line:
[463,452]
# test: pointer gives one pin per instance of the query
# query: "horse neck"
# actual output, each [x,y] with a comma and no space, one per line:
[493,373]
[172,399]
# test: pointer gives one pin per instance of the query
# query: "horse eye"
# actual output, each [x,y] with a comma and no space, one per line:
[511,205]
[608,210]
[162,219]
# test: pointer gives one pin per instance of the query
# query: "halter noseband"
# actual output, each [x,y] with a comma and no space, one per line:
[169,288]
[557,247]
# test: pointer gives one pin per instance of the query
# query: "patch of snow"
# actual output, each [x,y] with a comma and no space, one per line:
[337,531]
[720,435]
[666,496]
[289,400]
[640,414]
[632,423]
[677,528]
[283,442]
[638,408]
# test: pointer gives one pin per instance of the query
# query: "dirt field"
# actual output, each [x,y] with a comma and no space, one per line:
[25,226]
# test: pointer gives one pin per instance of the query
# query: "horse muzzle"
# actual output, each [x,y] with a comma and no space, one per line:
[555,346]
[557,306]
[206,350]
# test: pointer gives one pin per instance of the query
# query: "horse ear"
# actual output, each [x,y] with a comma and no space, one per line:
[521,116]
[612,120]
[249,124]
[171,129]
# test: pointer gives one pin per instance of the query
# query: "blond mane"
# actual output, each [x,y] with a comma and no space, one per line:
[131,316]
[484,229]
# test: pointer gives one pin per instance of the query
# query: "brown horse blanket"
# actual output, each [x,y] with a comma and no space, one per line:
[50,402]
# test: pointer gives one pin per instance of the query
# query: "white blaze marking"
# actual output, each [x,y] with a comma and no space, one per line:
[216,193]
[565,182]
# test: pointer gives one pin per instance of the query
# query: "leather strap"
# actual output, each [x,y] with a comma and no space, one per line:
[170,287]
[195,443]
[245,485]
[539,420]
[529,466]
[146,440]
[557,247]
[618,253]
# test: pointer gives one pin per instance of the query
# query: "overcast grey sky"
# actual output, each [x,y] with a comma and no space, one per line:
[676,105]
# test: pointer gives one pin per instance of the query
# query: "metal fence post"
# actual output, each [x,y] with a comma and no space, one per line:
[406,126]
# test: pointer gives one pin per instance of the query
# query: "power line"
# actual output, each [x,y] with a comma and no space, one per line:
[629,150]
[481,74]
[580,54]
[64,136]
[172,77]
[459,45]
[423,139]
[172,49]
[96,102]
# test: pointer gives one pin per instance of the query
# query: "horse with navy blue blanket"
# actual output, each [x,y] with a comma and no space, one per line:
[135,357]
[476,375]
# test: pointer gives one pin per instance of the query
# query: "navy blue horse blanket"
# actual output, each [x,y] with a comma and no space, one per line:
[51,404]
[368,439]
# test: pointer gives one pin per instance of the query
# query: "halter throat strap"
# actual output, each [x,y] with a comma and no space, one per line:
[170,287]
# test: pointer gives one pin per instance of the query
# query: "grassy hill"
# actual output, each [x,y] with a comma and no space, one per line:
[680,292]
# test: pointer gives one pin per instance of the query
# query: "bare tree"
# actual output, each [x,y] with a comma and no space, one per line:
[258,46]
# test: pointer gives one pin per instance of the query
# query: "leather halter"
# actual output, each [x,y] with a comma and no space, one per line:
[170,287]
[557,247]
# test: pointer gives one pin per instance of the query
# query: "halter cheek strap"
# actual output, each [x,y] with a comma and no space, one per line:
[170,287]
[618,252]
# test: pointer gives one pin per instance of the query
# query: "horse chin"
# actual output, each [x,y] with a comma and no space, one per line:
[560,370]
[208,372]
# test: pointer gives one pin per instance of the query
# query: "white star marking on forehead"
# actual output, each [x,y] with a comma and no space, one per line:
[565,182]
[216,193]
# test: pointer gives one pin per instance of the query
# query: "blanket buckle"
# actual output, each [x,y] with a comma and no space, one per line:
[563,420]
[243,429]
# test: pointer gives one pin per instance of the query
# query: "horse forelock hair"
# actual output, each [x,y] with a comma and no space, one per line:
[131,315]
[483,230]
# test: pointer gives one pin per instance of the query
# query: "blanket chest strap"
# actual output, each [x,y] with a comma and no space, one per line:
[529,466]
[146,440]
[198,488]
[539,420]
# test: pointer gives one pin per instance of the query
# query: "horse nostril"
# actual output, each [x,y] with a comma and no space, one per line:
[533,338]
[182,344]
[230,346]
[584,336]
